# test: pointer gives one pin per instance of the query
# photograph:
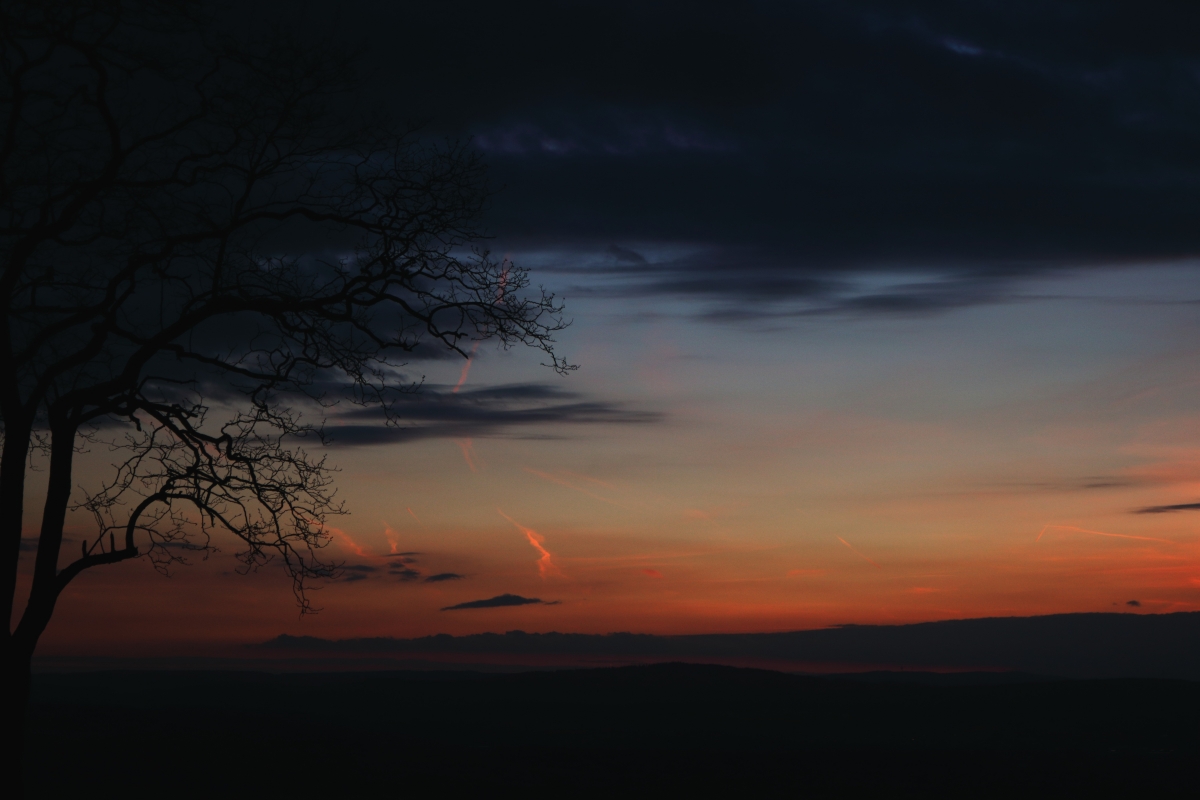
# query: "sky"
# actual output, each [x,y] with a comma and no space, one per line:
[884,312]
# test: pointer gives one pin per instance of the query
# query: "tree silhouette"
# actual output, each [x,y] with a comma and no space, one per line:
[199,237]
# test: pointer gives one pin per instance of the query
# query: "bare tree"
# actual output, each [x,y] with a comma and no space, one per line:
[197,238]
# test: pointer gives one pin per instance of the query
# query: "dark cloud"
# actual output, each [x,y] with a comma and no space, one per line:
[357,572]
[748,282]
[797,145]
[1133,603]
[398,566]
[444,576]
[435,412]
[626,256]
[401,572]
[500,601]
[1169,509]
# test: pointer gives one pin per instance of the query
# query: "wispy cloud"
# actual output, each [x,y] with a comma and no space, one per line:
[390,534]
[344,538]
[561,481]
[404,573]
[545,562]
[1075,529]
[857,553]
[466,370]
[357,572]
[472,459]
[444,576]
[485,412]
[1168,509]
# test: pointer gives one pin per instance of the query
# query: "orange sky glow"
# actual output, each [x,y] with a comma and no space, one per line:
[986,462]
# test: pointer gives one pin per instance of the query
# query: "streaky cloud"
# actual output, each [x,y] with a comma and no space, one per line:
[486,412]
[501,601]
[1169,509]
[444,576]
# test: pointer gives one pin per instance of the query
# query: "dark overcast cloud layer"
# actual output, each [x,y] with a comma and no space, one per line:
[789,144]
[839,132]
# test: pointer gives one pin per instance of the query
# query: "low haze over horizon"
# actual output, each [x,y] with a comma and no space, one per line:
[884,313]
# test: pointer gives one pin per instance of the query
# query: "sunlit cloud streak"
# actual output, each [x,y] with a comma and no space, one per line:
[502,287]
[413,514]
[1099,533]
[345,539]
[391,537]
[474,462]
[545,563]
[465,370]
[860,555]
[564,482]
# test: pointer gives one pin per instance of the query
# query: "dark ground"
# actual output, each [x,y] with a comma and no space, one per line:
[673,729]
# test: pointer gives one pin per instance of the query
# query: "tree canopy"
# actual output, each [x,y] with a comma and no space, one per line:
[203,235]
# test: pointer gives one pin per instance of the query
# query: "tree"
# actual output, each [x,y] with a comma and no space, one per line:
[199,238]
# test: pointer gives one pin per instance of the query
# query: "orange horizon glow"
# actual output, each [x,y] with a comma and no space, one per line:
[971,487]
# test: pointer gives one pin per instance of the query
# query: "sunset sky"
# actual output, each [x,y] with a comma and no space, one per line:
[884,312]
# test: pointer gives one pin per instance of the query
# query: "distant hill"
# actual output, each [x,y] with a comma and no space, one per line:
[1067,645]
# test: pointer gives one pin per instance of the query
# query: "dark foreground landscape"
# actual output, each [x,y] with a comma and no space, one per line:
[674,729]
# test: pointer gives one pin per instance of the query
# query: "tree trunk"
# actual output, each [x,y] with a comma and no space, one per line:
[15,702]
[20,644]
[14,659]
[13,464]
